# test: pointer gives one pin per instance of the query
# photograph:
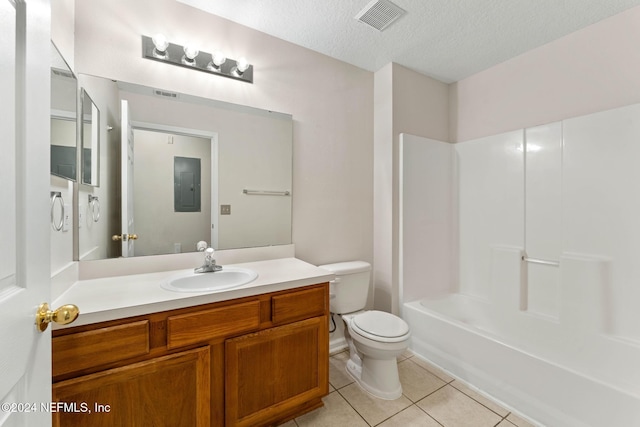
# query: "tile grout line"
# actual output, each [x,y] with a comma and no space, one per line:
[410,400]
[413,404]
[428,414]
[461,391]
[349,403]
[431,372]
[347,400]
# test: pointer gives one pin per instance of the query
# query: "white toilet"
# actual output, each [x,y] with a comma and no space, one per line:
[375,338]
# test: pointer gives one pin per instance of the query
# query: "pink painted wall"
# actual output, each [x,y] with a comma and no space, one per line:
[404,102]
[594,69]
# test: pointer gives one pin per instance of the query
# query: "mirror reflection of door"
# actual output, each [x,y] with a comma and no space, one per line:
[127,180]
[173,191]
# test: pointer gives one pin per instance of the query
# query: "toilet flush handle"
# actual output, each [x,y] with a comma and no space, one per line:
[333,282]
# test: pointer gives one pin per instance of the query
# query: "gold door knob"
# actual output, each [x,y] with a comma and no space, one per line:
[124,237]
[62,316]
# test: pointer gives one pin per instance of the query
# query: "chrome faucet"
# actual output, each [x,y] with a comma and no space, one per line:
[209,265]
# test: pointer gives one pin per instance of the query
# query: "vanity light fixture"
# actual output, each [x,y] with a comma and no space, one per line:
[158,48]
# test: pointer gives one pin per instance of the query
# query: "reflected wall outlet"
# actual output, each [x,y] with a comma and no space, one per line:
[225,209]
[177,248]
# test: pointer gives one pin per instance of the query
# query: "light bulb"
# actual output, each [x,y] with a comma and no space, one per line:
[218,59]
[190,52]
[160,42]
[242,64]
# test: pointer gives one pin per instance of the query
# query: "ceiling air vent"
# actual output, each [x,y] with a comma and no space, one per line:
[165,94]
[379,14]
[62,73]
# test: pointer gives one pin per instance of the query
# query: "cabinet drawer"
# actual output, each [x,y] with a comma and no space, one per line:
[83,350]
[205,325]
[299,305]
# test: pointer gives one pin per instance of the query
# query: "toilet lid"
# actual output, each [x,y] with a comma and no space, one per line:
[380,326]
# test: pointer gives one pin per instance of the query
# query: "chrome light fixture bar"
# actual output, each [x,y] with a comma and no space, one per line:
[188,57]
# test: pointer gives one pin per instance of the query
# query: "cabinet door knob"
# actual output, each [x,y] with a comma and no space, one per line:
[62,316]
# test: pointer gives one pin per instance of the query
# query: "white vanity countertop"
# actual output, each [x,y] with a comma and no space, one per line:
[133,295]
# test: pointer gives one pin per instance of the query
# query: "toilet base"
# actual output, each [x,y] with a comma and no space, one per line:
[384,385]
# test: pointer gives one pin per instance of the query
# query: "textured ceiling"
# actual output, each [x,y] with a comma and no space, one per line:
[444,39]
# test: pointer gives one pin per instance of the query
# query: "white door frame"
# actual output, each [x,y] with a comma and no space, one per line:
[213,136]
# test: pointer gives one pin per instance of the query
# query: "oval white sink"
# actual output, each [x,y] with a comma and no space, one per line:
[227,278]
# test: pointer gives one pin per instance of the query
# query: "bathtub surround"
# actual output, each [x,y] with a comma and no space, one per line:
[546,263]
[427,208]
[590,70]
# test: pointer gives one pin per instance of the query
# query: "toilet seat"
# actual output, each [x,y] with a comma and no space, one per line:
[380,326]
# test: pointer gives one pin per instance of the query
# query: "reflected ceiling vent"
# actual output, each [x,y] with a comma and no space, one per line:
[379,14]
[165,94]
[62,73]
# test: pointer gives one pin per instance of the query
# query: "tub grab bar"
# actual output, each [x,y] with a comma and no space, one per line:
[540,261]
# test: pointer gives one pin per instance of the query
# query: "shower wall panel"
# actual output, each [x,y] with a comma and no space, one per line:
[427,218]
[601,204]
[491,205]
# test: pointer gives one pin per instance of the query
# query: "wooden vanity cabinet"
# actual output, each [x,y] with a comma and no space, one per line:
[253,361]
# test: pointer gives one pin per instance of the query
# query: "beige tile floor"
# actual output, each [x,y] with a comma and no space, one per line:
[430,398]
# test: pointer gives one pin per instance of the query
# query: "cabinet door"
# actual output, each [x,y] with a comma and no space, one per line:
[276,373]
[171,390]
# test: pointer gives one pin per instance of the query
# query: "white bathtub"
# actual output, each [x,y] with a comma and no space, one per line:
[556,371]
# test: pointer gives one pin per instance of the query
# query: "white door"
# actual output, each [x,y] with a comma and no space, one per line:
[214,191]
[127,180]
[25,353]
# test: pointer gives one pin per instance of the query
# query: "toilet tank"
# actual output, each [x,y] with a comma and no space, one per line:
[350,289]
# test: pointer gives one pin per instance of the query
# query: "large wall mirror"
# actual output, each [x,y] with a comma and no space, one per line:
[64,92]
[192,169]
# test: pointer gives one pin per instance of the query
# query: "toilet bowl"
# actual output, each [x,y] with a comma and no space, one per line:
[375,338]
